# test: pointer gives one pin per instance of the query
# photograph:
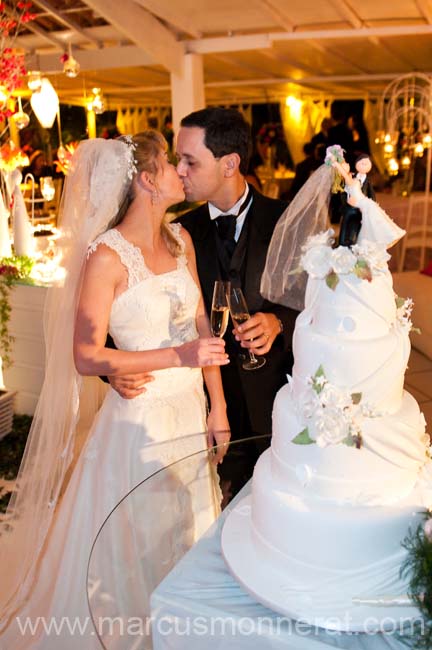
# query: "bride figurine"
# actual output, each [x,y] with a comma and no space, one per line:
[130,272]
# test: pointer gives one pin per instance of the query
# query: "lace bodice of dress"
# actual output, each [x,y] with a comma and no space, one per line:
[155,311]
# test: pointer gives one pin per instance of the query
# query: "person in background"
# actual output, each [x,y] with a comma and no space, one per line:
[303,170]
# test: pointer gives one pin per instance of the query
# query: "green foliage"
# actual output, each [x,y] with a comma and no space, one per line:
[11,451]
[303,438]
[418,569]
[332,280]
[363,271]
[13,270]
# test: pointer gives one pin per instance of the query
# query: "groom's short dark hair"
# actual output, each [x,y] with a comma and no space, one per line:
[225,131]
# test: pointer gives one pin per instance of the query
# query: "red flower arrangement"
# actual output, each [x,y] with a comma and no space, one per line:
[12,68]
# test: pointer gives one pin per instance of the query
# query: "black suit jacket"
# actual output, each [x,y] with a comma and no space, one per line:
[259,387]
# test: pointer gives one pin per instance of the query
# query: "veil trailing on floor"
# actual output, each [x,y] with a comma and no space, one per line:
[306,215]
[97,184]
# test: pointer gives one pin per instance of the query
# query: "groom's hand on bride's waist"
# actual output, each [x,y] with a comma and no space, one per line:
[130,386]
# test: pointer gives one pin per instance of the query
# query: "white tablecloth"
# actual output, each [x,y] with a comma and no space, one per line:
[200,605]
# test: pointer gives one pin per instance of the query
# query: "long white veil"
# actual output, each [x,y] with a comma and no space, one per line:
[306,215]
[95,188]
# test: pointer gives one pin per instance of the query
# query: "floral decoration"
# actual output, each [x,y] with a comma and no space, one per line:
[64,164]
[271,133]
[12,69]
[334,415]
[12,157]
[321,261]
[404,307]
[334,153]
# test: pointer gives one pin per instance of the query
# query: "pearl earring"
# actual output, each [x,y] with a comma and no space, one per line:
[154,197]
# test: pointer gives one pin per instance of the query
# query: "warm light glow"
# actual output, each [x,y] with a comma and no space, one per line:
[4,95]
[393,166]
[47,187]
[418,150]
[45,104]
[34,80]
[96,103]
[427,140]
[295,105]
[406,162]
[388,149]
[387,137]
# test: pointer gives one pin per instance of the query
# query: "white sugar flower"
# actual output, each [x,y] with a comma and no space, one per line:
[331,428]
[374,253]
[343,259]
[336,398]
[317,261]
[325,238]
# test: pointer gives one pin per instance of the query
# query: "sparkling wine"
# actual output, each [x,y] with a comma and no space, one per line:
[240,318]
[219,320]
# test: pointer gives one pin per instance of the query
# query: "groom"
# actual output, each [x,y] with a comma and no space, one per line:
[213,149]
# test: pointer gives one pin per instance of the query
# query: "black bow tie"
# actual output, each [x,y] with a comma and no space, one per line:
[226,225]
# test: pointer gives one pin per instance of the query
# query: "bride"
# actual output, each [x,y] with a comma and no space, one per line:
[131,273]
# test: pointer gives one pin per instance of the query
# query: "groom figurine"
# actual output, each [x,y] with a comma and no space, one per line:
[351,216]
[231,233]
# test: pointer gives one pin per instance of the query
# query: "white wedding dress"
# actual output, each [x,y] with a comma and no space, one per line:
[129,440]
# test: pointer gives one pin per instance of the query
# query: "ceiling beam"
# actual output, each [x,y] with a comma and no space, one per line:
[64,20]
[425,8]
[345,11]
[143,29]
[261,41]
[178,19]
[111,57]
[280,17]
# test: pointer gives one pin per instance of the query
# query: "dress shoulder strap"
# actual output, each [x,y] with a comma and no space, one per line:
[130,255]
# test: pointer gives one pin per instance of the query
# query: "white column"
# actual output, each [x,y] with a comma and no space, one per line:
[187,89]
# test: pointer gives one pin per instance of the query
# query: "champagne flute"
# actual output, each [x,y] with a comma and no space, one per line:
[240,314]
[220,310]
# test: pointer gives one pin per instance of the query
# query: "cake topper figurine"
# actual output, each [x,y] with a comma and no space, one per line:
[351,216]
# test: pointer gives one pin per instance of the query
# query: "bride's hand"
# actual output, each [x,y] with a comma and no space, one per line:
[202,352]
[218,434]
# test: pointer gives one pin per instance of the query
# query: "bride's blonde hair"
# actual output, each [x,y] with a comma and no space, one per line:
[147,147]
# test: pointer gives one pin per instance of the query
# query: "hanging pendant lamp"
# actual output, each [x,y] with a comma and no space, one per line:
[45,103]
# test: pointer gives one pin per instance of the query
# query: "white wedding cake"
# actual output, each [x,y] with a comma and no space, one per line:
[349,468]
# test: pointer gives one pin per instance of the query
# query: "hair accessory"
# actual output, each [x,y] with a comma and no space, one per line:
[130,155]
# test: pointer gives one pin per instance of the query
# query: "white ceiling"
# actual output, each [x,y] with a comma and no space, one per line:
[253,50]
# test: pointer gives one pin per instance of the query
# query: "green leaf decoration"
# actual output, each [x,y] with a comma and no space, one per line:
[416,330]
[348,441]
[332,280]
[303,438]
[363,271]
[356,398]
[399,301]
[317,387]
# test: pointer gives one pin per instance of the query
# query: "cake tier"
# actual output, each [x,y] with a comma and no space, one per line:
[329,553]
[374,367]
[384,470]
[356,309]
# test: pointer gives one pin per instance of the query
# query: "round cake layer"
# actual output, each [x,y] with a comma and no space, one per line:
[326,536]
[355,309]
[374,367]
[384,470]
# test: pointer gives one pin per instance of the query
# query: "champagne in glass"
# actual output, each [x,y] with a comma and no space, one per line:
[240,314]
[220,311]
